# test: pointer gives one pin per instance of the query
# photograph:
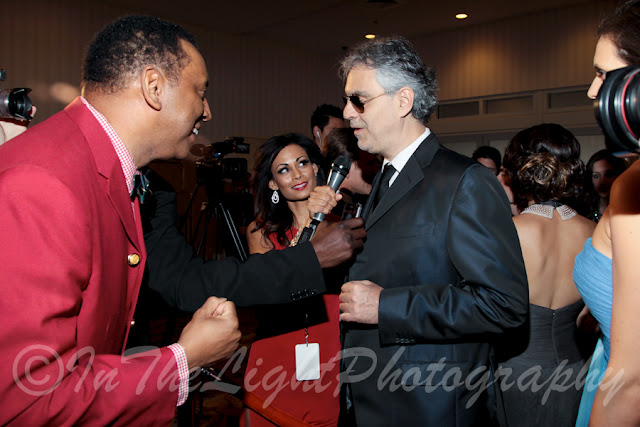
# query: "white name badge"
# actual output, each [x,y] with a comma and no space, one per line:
[307,362]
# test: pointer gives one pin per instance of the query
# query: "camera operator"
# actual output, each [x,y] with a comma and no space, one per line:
[10,128]
[608,260]
[16,111]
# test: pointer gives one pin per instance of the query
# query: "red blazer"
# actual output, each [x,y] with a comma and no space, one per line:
[69,283]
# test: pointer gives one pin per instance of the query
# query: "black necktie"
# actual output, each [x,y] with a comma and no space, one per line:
[387,173]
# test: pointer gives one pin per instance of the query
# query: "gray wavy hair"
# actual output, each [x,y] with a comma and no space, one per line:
[397,65]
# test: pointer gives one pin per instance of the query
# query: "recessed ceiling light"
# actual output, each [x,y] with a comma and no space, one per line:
[370,36]
[461,16]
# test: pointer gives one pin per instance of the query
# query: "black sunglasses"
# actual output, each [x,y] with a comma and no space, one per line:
[357,103]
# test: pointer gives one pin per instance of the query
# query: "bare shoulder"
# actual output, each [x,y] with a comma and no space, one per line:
[583,225]
[531,231]
[252,227]
[602,235]
[256,239]
[629,178]
[625,190]
[527,223]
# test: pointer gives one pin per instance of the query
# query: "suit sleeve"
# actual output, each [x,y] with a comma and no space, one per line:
[186,280]
[492,294]
[46,266]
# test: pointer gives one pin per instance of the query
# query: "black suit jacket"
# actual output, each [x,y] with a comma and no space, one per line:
[442,244]
[186,280]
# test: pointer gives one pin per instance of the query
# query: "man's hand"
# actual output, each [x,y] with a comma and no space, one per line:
[322,200]
[212,334]
[359,301]
[335,243]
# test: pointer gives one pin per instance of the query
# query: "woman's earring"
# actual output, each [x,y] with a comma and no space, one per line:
[275,197]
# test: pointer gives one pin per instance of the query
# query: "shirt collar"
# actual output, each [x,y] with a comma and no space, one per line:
[126,159]
[401,159]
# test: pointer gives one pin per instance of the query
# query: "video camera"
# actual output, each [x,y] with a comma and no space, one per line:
[233,144]
[617,109]
[14,103]
[213,167]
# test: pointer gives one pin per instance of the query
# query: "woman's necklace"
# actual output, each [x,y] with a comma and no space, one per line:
[297,236]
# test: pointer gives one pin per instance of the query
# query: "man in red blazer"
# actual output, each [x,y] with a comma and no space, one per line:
[73,253]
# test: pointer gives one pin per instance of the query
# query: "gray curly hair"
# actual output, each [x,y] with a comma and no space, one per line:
[397,65]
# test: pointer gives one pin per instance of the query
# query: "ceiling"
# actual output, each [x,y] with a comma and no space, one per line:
[329,26]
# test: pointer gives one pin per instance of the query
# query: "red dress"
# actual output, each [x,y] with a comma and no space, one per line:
[273,395]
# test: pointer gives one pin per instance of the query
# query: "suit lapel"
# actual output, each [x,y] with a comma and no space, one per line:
[369,203]
[122,203]
[107,165]
[411,174]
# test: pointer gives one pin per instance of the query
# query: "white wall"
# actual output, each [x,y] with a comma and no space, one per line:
[532,52]
[259,89]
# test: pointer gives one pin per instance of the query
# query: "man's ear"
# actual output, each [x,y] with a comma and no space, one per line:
[273,185]
[405,97]
[152,83]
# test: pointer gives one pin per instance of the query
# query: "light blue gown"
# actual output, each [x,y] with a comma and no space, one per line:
[592,274]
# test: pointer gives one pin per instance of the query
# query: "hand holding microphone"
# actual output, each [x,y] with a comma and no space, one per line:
[323,199]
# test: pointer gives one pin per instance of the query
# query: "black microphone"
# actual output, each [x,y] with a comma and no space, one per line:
[339,170]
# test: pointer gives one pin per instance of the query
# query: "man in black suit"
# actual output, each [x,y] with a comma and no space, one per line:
[441,276]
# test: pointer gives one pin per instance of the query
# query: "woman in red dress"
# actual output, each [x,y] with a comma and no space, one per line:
[286,171]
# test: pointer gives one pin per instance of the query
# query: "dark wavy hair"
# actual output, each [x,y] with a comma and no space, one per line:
[543,163]
[323,113]
[590,198]
[487,152]
[397,65]
[338,142]
[129,44]
[278,218]
[623,28]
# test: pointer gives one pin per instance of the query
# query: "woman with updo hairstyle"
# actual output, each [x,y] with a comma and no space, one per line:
[543,163]
[545,172]
[286,170]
